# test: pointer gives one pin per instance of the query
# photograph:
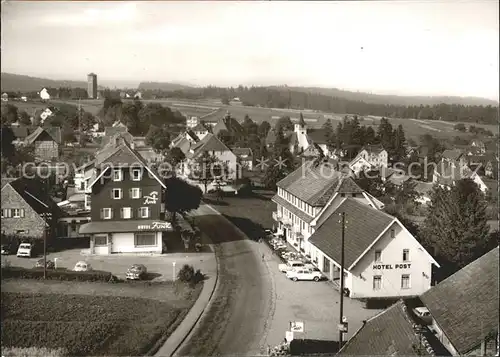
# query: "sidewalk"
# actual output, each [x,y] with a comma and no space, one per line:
[182,332]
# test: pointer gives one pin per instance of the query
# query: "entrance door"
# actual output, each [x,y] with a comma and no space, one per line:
[101,244]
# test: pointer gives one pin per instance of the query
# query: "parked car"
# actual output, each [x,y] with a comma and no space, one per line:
[82,266]
[49,264]
[136,272]
[291,265]
[24,250]
[6,249]
[303,274]
[423,314]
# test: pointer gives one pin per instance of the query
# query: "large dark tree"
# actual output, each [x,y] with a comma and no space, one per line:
[456,225]
[158,138]
[329,133]
[284,124]
[181,197]
[264,128]
[399,153]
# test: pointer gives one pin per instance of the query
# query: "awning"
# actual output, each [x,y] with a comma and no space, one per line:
[126,226]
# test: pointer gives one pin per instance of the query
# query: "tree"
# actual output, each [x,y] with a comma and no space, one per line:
[302,123]
[399,144]
[24,118]
[284,124]
[385,134]
[226,137]
[174,157]
[460,127]
[9,114]
[329,134]
[208,168]
[264,128]
[181,197]
[370,136]
[371,182]
[158,138]
[456,224]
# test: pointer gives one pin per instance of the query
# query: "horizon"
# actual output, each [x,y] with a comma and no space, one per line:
[406,49]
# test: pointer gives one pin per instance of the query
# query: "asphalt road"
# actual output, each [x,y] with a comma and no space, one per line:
[237,319]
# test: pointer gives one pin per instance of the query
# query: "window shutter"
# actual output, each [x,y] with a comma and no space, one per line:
[122,214]
[139,212]
[140,192]
[111,213]
[130,193]
[22,212]
[112,193]
[102,213]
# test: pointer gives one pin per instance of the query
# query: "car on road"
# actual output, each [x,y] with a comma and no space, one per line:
[423,314]
[304,274]
[24,250]
[136,272]
[82,266]
[6,249]
[290,265]
[49,264]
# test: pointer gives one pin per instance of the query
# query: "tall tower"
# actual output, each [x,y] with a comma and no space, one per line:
[92,85]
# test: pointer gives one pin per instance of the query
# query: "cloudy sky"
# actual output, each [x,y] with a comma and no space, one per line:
[412,48]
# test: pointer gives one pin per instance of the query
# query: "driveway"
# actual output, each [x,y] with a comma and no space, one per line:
[160,267]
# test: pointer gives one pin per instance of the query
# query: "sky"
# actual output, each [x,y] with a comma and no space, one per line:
[404,48]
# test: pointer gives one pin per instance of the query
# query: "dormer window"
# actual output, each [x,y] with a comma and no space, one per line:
[117,175]
[136,174]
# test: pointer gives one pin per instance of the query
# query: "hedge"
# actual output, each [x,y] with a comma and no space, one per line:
[67,275]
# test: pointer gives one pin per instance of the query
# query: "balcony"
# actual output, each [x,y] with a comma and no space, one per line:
[277,216]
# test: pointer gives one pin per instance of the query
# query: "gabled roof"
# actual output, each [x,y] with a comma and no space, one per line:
[199,127]
[53,133]
[368,224]
[465,305]
[112,130]
[122,156]
[390,333]
[245,152]
[313,150]
[315,185]
[452,155]
[209,143]
[33,193]
[228,123]
[373,149]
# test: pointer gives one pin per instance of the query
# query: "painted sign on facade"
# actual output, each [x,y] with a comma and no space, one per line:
[157,226]
[389,266]
[297,326]
[151,199]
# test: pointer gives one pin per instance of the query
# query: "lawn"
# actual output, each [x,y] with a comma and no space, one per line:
[251,214]
[87,323]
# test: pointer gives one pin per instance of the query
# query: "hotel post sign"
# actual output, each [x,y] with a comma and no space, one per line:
[390,266]
[156,226]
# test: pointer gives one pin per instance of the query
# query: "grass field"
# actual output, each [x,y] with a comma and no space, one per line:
[214,110]
[92,325]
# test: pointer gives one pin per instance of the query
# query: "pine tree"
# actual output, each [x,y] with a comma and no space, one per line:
[456,225]
[399,144]
[329,134]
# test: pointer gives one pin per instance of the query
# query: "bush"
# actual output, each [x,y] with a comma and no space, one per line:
[66,275]
[188,275]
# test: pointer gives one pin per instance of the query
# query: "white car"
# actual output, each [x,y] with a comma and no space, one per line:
[304,274]
[24,250]
[291,265]
[82,266]
[423,314]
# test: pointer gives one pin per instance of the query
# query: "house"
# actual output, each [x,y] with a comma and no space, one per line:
[127,210]
[393,332]
[298,140]
[244,157]
[309,193]
[452,168]
[319,137]
[45,94]
[200,131]
[375,155]
[464,308]
[424,189]
[45,114]
[138,95]
[27,209]
[45,142]
[484,165]
[313,151]
[184,141]
[214,147]
[5,97]
[24,98]
[383,260]
[360,164]
[191,121]
[479,145]
[229,124]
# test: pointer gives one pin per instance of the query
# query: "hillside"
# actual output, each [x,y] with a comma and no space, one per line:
[19,83]
[163,86]
[396,99]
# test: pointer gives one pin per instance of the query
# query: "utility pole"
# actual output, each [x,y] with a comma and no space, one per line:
[341,317]
[45,246]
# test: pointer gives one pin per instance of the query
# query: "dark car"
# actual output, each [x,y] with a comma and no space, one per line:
[136,272]
[6,249]
[50,264]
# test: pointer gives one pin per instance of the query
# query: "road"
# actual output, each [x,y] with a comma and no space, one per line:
[237,319]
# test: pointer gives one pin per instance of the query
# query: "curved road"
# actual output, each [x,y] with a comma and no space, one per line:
[237,319]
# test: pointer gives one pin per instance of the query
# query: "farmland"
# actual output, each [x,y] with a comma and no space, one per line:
[212,110]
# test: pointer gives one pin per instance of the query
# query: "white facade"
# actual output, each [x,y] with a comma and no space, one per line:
[109,243]
[302,141]
[396,265]
[227,157]
[359,164]
[377,159]
[44,94]
[201,133]
[191,122]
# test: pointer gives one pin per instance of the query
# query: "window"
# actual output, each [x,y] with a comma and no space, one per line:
[117,175]
[342,195]
[126,213]
[406,255]
[393,233]
[136,174]
[405,281]
[145,239]
[17,213]
[135,193]
[82,186]
[100,241]
[144,212]
[106,213]
[377,282]
[117,193]
[378,256]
